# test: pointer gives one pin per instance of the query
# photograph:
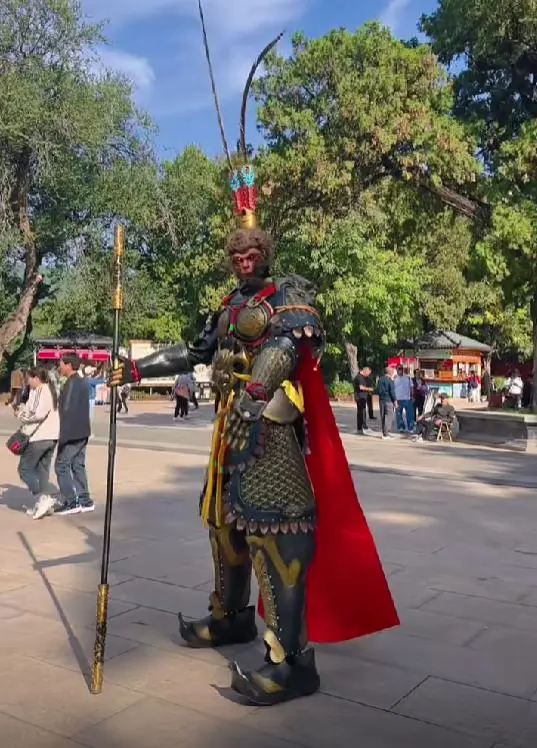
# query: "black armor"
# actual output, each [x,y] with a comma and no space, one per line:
[257,498]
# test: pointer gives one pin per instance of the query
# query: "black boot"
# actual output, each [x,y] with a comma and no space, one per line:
[276,683]
[231,619]
[233,628]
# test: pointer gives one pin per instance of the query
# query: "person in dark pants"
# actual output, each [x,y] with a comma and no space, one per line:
[183,392]
[370,411]
[421,390]
[443,412]
[193,395]
[75,431]
[362,388]
[387,401]
[486,385]
[123,399]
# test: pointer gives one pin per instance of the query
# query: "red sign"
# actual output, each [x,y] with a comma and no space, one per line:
[54,354]
[409,363]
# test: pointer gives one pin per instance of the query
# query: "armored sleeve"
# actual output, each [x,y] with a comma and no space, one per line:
[297,331]
[182,357]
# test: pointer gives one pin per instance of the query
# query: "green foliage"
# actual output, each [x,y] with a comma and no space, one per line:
[361,148]
[73,148]
[346,110]
[341,388]
[496,95]
[497,40]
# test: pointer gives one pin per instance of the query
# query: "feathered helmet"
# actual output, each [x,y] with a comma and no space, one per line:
[242,176]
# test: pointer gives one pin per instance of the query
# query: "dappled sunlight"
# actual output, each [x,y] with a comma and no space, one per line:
[406,519]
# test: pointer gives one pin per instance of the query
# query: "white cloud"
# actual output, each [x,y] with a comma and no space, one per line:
[137,69]
[230,17]
[393,13]
[175,78]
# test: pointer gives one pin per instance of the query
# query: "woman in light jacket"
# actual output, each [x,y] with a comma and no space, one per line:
[41,423]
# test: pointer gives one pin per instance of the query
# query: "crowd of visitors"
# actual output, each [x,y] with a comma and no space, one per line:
[53,410]
[404,398]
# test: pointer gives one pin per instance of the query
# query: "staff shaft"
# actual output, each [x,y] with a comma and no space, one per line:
[97,671]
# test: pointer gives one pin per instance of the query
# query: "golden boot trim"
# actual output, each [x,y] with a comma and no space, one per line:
[266,684]
[289,574]
[265,588]
[233,557]
[217,609]
[277,652]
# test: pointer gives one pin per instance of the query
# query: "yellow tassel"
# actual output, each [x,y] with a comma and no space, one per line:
[294,394]
[215,447]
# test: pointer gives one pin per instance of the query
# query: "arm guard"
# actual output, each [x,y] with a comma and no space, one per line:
[296,325]
[181,358]
[274,365]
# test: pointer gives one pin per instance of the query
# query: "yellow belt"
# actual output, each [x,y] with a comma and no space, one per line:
[215,472]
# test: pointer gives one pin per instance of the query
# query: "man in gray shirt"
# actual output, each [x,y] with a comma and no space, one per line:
[75,431]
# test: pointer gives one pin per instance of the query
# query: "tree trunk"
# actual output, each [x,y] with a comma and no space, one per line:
[534,370]
[352,354]
[16,323]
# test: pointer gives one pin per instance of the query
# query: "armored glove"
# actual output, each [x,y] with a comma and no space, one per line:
[247,410]
[125,373]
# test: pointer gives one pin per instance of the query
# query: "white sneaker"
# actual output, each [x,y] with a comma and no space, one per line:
[44,506]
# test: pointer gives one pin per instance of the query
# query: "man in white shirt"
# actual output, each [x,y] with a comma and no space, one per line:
[514,386]
[403,395]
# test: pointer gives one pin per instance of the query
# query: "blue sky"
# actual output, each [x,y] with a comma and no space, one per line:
[157,44]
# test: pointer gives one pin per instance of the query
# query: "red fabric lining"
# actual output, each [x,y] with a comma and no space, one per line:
[347,593]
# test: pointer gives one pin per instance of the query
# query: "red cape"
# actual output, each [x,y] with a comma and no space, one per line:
[347,594]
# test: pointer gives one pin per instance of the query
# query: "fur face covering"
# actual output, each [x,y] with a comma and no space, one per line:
[243,240]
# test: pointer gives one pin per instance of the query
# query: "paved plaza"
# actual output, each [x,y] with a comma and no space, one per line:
[456,529]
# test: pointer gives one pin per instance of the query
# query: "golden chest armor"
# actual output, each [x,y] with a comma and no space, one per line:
[249,320]
[252,322]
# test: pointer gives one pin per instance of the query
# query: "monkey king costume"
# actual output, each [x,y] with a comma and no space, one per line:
[278,494]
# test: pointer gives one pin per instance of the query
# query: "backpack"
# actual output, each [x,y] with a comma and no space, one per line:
[182,391]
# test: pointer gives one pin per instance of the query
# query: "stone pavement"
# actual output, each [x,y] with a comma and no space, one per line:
[460,672]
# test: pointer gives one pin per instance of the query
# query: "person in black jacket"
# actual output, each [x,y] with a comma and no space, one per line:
[387,401]
[362,388]
[75,431]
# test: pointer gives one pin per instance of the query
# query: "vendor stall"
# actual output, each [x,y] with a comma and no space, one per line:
[447,359]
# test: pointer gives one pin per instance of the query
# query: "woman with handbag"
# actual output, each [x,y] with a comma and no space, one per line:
[39,434]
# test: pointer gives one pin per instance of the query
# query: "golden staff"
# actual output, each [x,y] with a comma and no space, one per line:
[104,588]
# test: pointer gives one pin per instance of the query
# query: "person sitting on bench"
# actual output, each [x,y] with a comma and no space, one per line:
[430,423]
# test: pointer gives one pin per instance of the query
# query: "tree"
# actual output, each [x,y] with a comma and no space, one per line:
[497,39]
[362,152]
[185,256]
[64,133]
[346,111]
[497,96]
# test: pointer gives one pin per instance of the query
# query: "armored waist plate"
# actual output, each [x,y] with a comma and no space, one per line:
[280,409]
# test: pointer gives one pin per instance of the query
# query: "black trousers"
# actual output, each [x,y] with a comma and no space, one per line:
[419,402]
[181,406]
[361,413]
[122,403]
[386,416]
[370,406]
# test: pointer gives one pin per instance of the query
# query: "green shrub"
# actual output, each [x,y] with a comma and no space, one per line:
[340,388]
